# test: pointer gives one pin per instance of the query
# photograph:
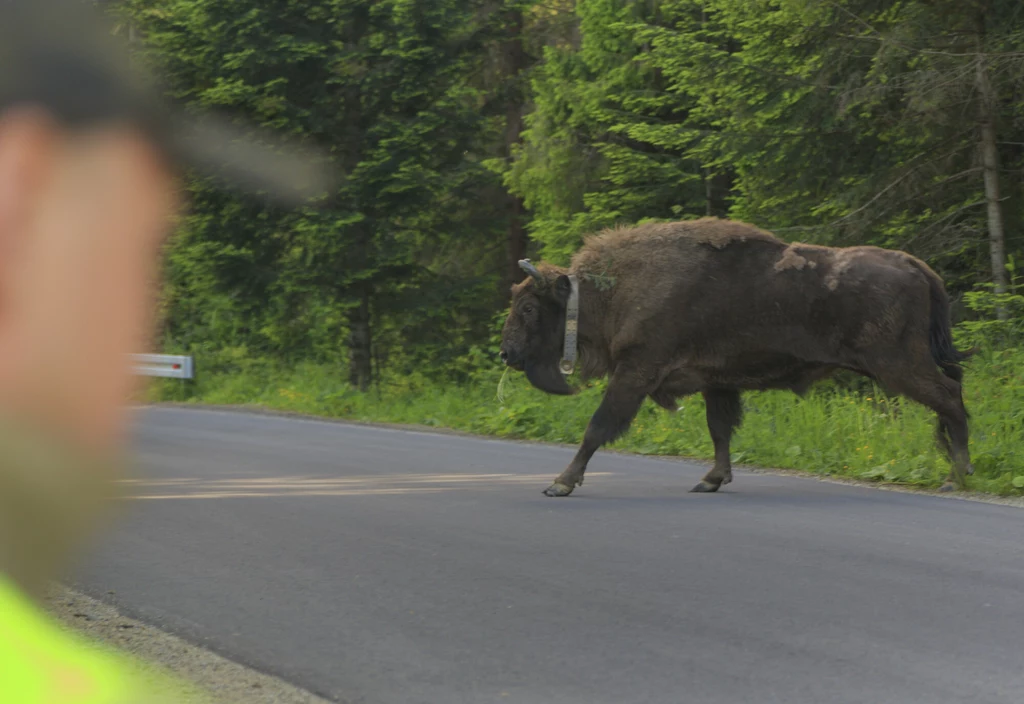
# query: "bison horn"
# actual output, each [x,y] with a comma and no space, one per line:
[530,269]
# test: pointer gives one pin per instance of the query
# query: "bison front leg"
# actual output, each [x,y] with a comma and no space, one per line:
[618,408]
[724,413]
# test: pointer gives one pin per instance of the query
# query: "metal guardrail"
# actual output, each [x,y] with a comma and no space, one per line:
[165,365]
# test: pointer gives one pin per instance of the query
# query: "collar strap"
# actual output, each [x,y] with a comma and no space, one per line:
[572,317]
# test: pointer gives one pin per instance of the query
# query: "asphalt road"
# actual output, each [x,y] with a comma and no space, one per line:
[385,566]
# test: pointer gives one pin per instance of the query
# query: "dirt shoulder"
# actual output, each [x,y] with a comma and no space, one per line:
[210,675]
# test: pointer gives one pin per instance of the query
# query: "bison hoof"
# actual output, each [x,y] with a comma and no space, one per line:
[705,488]
[558,489]
[948,486]
[970,468]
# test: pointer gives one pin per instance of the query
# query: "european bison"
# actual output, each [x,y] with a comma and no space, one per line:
[717,306]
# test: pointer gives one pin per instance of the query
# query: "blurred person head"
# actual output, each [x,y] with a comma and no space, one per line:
[90,156]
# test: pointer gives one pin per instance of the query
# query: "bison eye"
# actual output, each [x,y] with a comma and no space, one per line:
[527,309]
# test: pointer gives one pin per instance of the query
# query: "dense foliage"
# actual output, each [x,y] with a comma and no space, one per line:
[467,129]
[846,122]
[399,260]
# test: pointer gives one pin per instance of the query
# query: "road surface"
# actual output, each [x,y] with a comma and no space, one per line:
[384,566]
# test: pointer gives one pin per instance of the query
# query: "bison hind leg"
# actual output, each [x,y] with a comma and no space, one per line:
[942,438]
[926,385]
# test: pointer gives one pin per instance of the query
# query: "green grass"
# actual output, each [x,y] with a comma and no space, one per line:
[833,432]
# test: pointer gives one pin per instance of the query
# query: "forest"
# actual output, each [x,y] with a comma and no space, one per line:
[472,133]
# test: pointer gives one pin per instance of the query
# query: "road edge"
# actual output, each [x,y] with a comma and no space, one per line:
[255,409]
[206,676]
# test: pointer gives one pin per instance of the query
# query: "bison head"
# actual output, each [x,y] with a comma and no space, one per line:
[531,340]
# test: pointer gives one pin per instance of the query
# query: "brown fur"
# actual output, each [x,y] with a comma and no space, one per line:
[718,307]
[790,259]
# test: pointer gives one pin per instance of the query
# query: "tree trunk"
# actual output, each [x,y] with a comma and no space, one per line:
[360,350]
[709,193]
[514,63]
[716,193]
[517,241]
[987,108]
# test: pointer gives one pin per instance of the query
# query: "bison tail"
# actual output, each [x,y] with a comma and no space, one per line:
[940,329]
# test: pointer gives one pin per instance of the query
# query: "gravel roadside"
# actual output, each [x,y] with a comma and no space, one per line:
[210,675]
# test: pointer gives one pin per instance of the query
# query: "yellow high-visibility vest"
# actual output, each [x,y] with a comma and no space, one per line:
[41,663]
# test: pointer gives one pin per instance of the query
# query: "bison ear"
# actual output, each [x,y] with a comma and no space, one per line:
[562,289]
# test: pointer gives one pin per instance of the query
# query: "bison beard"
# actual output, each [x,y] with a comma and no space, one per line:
[548,378]
[719,307]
